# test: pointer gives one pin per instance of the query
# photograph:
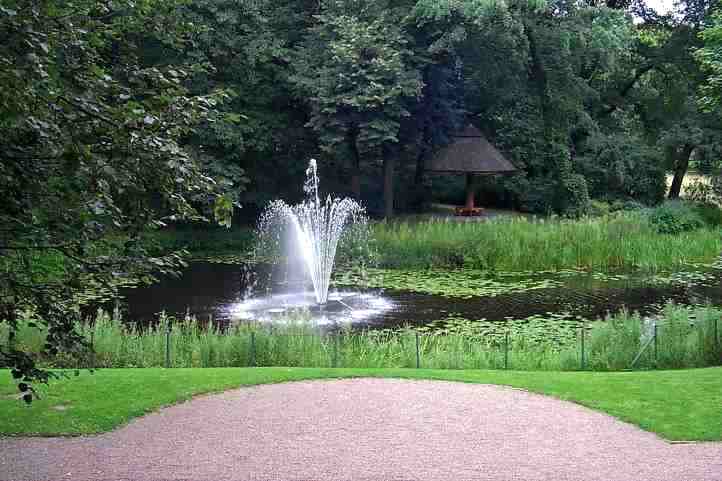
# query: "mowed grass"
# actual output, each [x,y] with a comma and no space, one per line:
[684,405]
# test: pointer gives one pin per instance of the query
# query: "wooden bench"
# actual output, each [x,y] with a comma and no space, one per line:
[469,211]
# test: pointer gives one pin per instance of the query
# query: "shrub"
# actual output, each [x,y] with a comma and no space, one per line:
[626,205]
[599,208]
[711,213]
[573,196]
[536,197]
[675,217]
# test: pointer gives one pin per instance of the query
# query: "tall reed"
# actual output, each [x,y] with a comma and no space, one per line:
[686,337]
[518,244]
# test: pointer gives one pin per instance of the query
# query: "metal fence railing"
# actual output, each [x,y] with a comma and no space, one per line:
[661,344]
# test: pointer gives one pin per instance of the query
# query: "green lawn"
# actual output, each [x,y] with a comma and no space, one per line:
[677,405]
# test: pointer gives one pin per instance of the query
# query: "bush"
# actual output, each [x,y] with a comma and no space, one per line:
[626,205]
[675,217]
[573,196]
[535,195]
[710,213]
[599,208]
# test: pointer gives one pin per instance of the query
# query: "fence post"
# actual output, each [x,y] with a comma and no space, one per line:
[506,350]
[335,349]
[167,343]
[253,349]
[418,355]
[655,344]
[92,348]
[583,363]
[303,350]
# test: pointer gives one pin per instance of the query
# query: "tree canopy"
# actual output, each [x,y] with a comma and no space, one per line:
[92,129]
[120,117]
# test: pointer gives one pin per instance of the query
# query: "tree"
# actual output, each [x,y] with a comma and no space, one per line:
[536,80]
[710,57]
[358,73]
[668,93]
[259,142]
[91,141]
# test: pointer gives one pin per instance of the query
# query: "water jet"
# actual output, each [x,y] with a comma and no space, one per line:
[315,227]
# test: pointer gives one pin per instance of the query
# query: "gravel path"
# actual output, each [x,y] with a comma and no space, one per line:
[366,429]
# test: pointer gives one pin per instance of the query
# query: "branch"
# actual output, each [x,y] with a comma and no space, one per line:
[628,87]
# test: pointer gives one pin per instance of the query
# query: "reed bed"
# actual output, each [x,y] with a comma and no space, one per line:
[621,242]
[685,337]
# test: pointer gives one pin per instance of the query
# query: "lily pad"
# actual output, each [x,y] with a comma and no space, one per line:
[461,283]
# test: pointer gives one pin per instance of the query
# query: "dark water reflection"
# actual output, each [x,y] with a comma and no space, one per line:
[209,291]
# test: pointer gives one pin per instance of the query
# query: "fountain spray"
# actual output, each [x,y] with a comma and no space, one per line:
[318,225]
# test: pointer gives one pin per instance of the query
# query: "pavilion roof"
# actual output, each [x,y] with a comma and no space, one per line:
[469,152]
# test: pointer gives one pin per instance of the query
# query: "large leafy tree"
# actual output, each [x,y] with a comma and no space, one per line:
[536,79]
[92,133]
[260,140]
[660,84]
[710,57]
[358,72]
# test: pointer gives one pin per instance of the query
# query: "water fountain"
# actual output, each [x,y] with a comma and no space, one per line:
[316,226]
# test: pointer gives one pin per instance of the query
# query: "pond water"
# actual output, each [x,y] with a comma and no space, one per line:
[217,291]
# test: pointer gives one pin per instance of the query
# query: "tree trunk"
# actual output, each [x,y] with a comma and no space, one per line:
[421,189]
[419,174]
[356,185]
[389,163]
[538,77]
[356,169]
[680,169]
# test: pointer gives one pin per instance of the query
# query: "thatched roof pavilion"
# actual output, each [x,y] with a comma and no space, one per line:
[471,154]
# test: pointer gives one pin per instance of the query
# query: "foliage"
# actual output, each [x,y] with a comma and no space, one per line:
[598,208]
[701,192]
[710,56]
[202,240]
[711,213]
[246,46]
[547,109]
[91,136]
[620,205]
[675,217]
[357,72]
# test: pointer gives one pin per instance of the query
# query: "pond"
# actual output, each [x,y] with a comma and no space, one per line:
[227,293]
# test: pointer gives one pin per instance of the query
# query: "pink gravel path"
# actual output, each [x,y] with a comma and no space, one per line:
[366,429]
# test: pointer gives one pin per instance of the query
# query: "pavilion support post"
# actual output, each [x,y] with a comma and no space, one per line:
[470,190]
